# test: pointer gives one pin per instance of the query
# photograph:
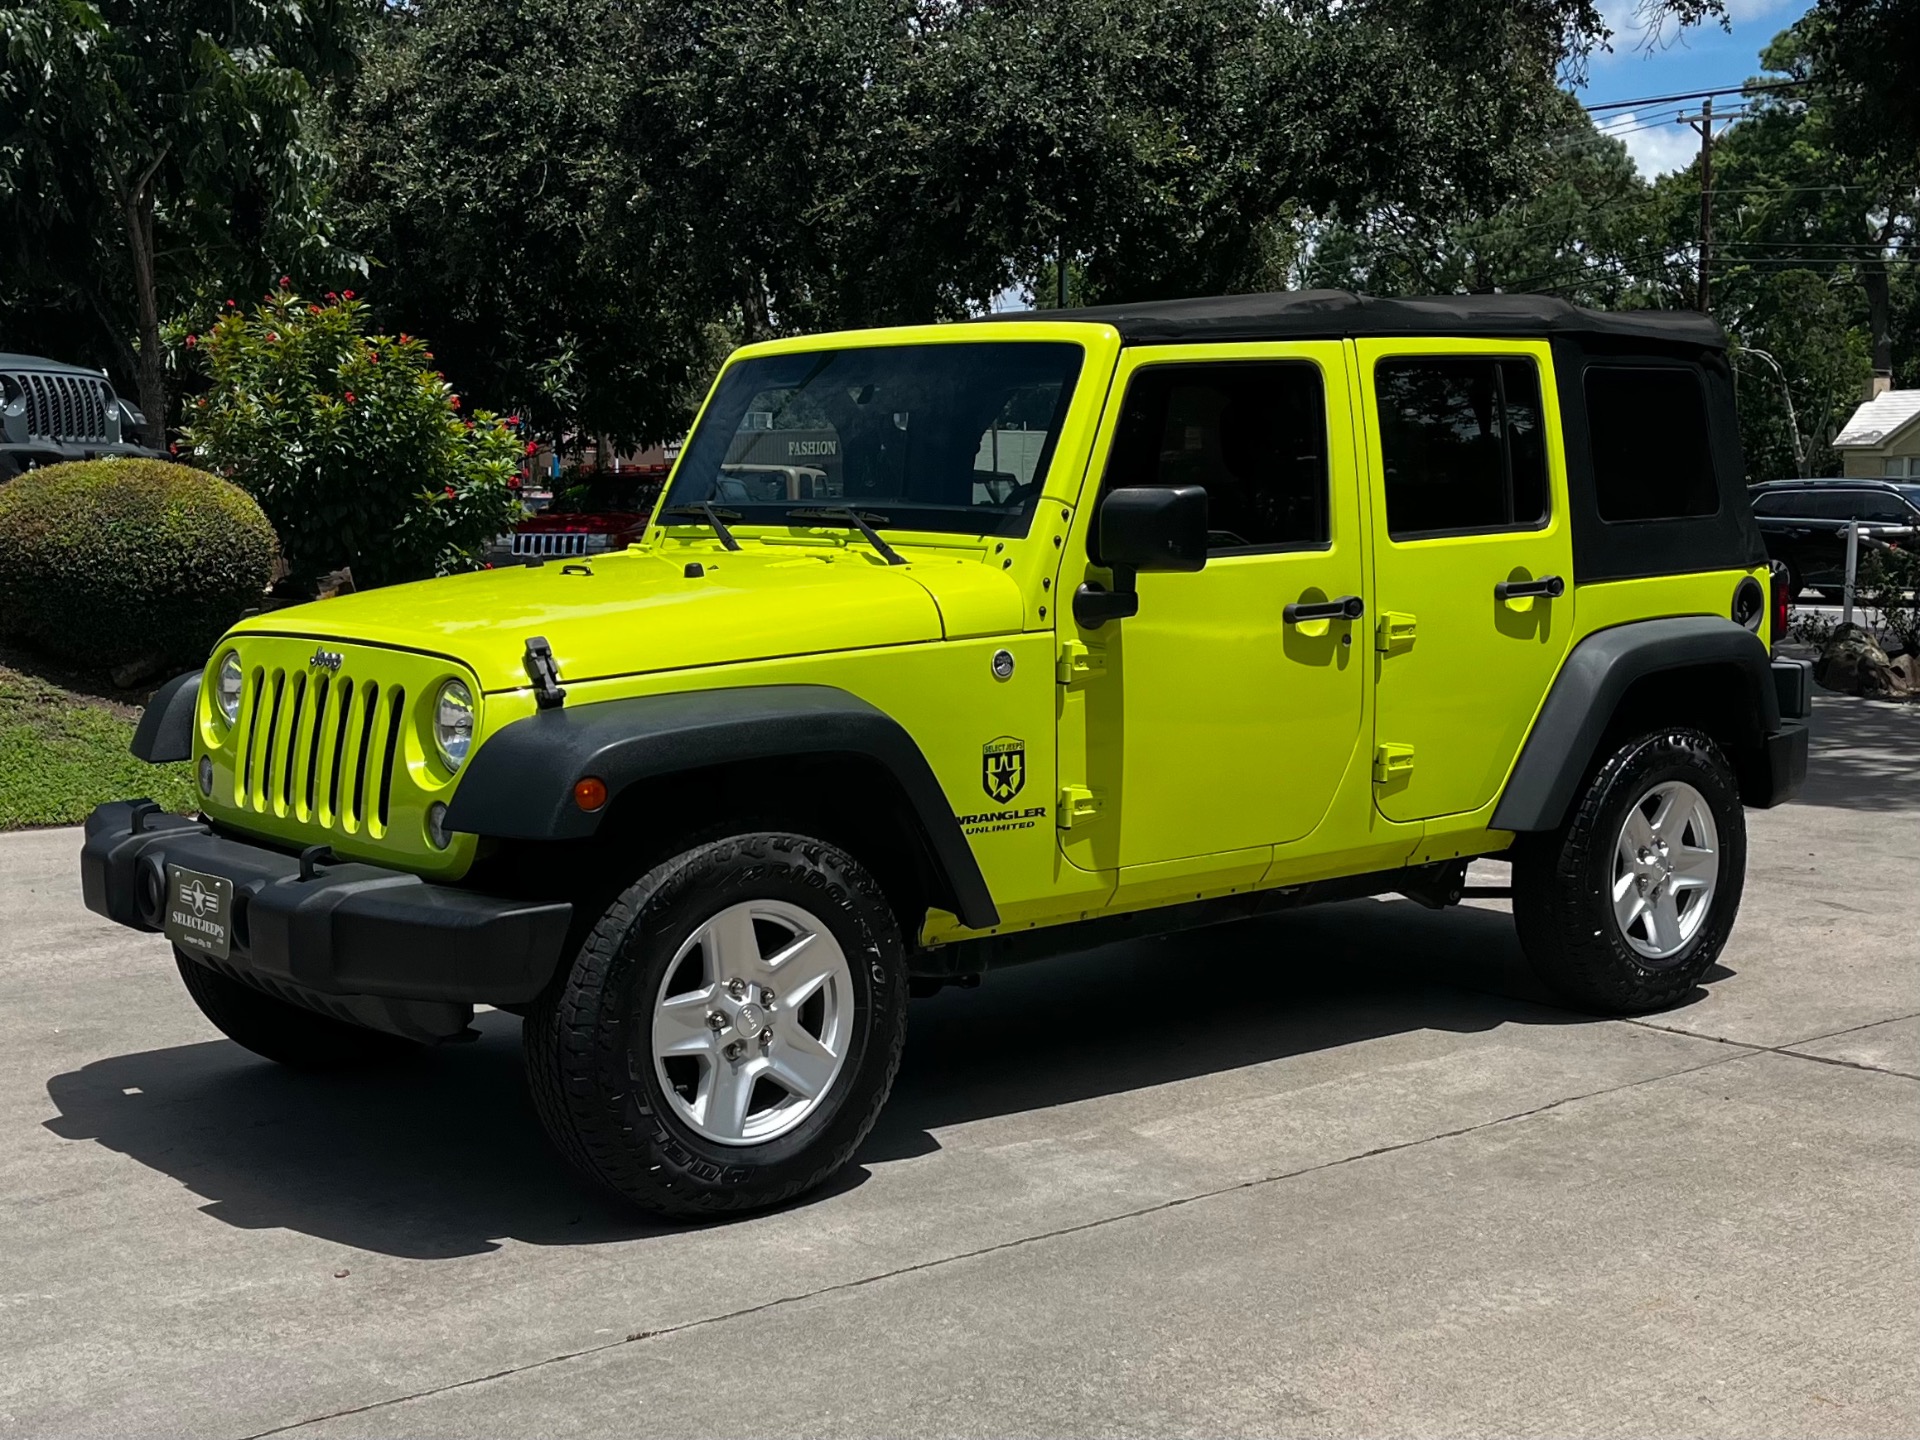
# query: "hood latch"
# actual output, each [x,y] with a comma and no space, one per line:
[544,672]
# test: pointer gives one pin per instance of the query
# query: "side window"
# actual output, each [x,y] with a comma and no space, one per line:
[1776,502]
[1879,505]
[1652,458]
[1463,445]
[1832,505]
[1253,435]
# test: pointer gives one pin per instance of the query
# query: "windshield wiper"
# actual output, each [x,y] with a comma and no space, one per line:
[704,510]
[860,521]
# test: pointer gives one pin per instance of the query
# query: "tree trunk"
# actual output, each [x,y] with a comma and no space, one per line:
[138,206]
[1873,279]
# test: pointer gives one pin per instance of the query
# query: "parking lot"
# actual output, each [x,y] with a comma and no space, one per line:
[1339,1172]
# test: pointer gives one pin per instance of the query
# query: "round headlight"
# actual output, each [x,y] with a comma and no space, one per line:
[453,723]
[226,688]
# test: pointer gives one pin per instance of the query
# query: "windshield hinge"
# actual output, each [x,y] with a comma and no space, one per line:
[544,672]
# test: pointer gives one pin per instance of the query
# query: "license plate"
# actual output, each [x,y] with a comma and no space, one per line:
[199,912]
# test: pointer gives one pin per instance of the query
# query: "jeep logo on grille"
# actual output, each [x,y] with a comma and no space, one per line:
[324,659]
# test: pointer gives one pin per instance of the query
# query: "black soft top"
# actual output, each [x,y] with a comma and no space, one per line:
[1343,314]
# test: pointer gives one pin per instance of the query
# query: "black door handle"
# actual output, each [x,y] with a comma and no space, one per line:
[1347,607]
[1547,587]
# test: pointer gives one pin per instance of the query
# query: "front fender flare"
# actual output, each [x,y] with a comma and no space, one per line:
[1588,690]
[519,783]
[165,731]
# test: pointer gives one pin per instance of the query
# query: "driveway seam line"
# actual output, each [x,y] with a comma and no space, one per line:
[1788,1050]
[1179,1202]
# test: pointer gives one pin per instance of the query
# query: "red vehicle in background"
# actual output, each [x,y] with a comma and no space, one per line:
[598,512]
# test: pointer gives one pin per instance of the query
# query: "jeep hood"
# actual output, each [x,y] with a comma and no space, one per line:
[634,612]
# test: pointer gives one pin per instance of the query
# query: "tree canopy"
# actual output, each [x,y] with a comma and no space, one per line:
[150,149]
[574,235]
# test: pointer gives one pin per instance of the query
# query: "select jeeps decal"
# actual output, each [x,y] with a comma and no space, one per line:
[1003,774]
[1003,768]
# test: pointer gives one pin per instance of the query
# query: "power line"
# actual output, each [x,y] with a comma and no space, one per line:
[1754,88]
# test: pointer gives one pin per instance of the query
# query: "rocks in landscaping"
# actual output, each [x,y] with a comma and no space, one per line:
[1853,663]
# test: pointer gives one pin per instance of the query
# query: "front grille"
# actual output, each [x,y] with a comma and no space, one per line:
[319,748]
[70,409]
[551,542]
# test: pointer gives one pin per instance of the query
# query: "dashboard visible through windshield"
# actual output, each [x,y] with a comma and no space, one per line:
[949,437]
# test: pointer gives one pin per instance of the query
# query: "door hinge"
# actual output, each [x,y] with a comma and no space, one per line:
[1392,762]
[1079,661]
[1078,805]
[1394,632]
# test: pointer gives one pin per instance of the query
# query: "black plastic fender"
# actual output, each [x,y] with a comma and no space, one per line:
[519,783]
[165,731]
[1589,688]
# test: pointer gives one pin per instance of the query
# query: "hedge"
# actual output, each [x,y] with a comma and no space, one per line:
[107,562]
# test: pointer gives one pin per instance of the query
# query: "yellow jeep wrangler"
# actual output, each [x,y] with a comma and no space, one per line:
[1085,624]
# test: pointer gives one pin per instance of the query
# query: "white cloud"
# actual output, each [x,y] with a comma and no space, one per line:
[1655,148]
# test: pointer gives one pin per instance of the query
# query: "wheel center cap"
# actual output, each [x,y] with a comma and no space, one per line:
[750,1021]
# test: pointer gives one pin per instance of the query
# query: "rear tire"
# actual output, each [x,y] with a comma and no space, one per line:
[286,1034]
[1623,915]
[664,1074]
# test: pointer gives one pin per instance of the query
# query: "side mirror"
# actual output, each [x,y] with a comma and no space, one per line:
[1144,527]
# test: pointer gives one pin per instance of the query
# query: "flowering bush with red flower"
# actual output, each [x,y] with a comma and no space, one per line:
[351,442]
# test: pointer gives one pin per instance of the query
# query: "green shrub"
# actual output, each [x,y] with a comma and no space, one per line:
[105,562]
[352,443]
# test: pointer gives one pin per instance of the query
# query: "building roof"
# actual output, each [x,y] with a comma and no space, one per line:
[1875,422]
[1340,314]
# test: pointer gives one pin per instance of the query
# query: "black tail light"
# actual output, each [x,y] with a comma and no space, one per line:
[1781,595]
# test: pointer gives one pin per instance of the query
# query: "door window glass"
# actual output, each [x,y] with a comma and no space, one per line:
[1252,435]
[1462,445]
[1776,503]
[1652,457]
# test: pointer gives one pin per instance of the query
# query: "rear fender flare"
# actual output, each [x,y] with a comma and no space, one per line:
[1587,693]
[519,783]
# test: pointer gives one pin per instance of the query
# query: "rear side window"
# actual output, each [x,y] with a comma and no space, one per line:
[1462,445]
[1879,505]
[1777,502]
[1652,458]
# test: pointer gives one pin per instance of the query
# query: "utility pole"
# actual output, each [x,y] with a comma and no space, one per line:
[1703,124]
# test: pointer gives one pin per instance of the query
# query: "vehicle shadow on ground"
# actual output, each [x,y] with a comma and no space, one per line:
[1862,754]
[444,1156]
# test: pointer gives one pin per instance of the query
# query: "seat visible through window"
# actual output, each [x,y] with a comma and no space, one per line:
[1253,435]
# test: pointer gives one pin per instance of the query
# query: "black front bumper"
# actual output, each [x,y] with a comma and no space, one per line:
[347,930]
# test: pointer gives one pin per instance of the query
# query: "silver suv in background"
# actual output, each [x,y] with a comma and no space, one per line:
[51,412]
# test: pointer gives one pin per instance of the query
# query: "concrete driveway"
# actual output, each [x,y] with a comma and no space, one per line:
[1337,1173]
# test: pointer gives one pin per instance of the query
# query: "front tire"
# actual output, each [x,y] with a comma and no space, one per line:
[286,1034]
[1623,909]
[730,1029]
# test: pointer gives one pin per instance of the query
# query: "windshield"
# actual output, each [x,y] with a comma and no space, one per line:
[921,437]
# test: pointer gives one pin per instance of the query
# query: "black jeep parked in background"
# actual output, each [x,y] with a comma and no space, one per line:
[51,412]
[1804,523]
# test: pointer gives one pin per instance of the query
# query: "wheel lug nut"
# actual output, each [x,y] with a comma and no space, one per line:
[715,1020]
[766,1039]
[766,997]
[734,1050]
[737,989]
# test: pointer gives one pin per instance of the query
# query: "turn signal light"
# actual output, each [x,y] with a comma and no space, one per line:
[590,794]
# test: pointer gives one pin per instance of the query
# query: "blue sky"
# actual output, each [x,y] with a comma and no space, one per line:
[1703,58]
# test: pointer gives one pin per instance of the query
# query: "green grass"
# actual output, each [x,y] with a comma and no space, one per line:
[61,754]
